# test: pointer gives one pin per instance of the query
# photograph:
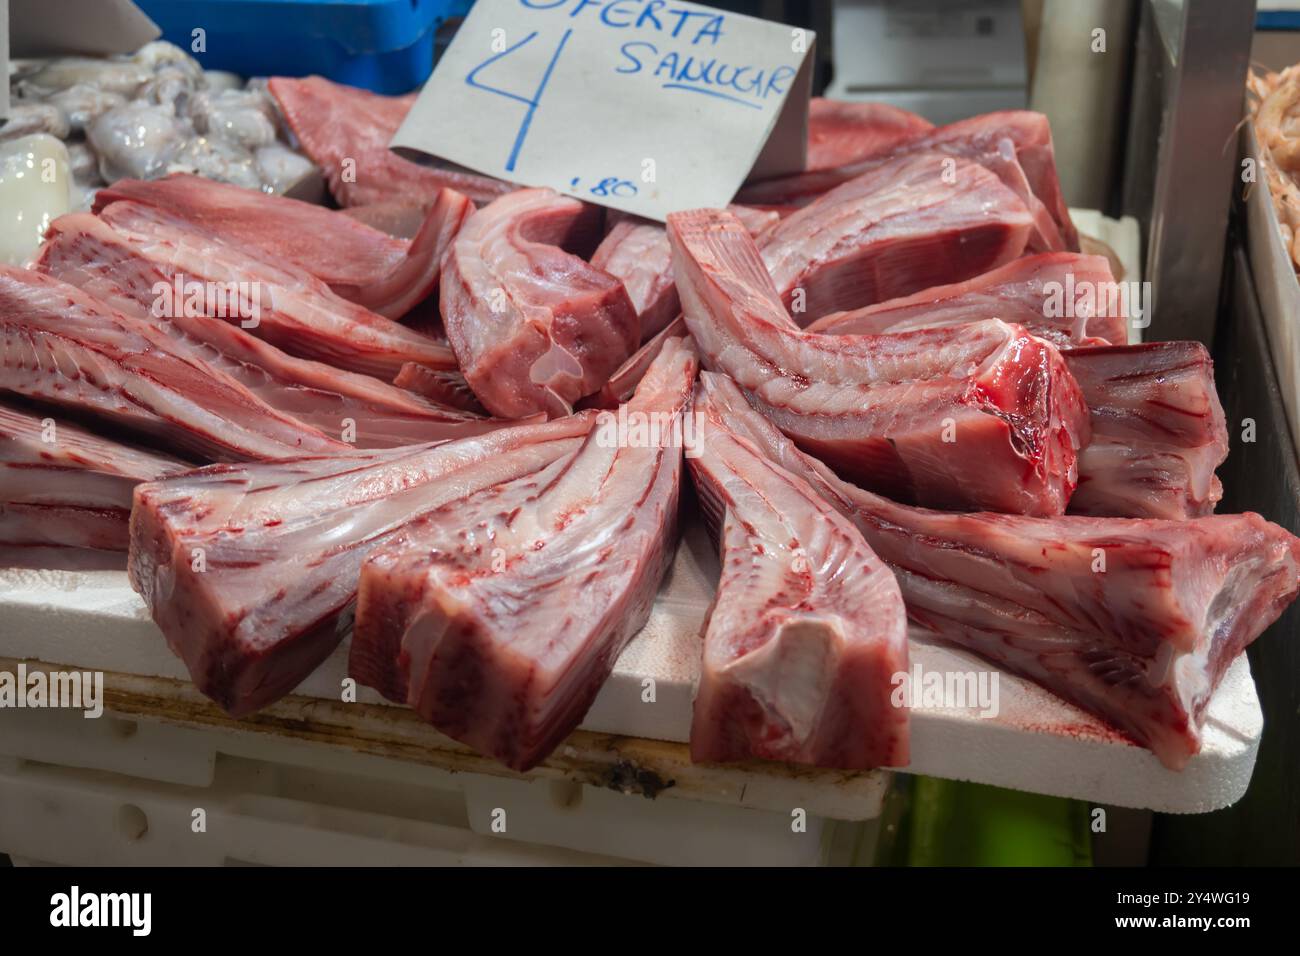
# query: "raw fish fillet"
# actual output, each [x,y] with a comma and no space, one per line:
[637,251]
[41,557]
[1029,291]
[417,278]
[807,629]
[758,221]
[392,218]
[904,225]
[250,571]
[1134,620]
[841,132]
[346,132]
[1158,431]
[364,411]
[358,263]
[442,386]
[534,327]
[906,414]
[298,312]
[498,619]
[623,382]
[64,487]
[62,346]
[1015,145]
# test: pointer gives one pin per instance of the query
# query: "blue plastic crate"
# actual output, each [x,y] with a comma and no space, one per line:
[382,45]
[1277,20]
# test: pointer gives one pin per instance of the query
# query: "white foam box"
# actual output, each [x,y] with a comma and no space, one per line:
[1035,742]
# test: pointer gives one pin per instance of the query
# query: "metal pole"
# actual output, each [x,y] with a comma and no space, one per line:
[1181,169]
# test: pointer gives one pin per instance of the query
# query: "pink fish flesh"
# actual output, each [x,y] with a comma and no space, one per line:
[499,619]
[534,327]
[358,409]
[807,629]
[905,414]
[62,346]
[250,571]
[904,225]
[1134,620]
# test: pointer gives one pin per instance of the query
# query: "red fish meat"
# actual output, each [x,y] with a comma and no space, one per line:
[1015,145]
[250,570]
[62,346]
[1134,620]
[296,311]
[841,132]
[346,132]
[534,327]
[905,414]
[1032,291]
[1158,431]
[904,225]
[62,486]
[359,409]
[807,630]
[360,264]
[498,620]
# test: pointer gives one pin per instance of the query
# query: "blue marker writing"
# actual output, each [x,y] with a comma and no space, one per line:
[678,22]
[531,102]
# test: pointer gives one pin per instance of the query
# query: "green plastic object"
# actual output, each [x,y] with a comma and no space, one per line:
[950,823]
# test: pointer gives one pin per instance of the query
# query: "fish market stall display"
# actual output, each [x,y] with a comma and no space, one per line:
[467,445]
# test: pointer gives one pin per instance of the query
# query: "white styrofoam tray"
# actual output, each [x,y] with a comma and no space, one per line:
[1036,742]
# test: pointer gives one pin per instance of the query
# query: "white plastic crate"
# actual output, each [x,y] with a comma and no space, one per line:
[124,792]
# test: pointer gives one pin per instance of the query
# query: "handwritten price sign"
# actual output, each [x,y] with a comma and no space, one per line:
[643,105]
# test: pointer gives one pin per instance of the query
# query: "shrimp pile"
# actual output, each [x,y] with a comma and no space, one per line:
[1275,107]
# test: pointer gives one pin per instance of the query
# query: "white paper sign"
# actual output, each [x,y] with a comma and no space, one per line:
[649,106]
